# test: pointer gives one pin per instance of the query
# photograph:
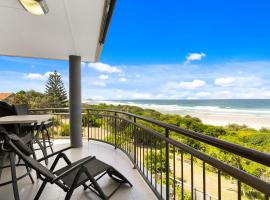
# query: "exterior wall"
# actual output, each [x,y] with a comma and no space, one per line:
[9,99]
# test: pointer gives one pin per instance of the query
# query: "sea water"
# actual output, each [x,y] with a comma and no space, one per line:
[221,106]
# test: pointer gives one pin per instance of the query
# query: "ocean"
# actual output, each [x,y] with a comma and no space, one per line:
[252,112]
[241,106]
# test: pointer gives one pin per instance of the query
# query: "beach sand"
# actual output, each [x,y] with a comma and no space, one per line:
[252,121]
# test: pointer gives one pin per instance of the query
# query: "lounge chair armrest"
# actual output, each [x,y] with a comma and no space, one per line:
[73,168]
[55,153]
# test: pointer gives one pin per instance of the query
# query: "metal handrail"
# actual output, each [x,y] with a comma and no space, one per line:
[132,120]
[251,154]
[249,179]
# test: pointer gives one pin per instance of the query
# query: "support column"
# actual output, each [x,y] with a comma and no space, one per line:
[75,101]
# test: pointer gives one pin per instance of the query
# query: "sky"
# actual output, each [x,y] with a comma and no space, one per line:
[172,49]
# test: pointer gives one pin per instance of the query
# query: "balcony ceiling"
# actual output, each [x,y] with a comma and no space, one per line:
[72,27]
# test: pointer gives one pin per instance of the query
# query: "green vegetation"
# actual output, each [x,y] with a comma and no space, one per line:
[32,99]
[56,90]
[64,130]
[238,134]
[234,133]
[92,121]
[54,96]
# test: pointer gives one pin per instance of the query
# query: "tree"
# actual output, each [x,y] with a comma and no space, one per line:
[56,90]
[32,99]
[20,98]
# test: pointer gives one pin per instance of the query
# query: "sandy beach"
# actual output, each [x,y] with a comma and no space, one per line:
[256,122]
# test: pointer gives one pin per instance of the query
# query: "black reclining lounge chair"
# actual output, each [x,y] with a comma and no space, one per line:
[69,177]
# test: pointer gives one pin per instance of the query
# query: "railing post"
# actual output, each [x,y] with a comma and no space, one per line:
[88,118]
[53,112]
[135,142]
[167,166]
[115,129]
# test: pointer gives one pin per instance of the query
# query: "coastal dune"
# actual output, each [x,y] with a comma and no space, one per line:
[253,113]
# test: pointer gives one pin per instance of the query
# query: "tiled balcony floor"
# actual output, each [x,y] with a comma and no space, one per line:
[104,152]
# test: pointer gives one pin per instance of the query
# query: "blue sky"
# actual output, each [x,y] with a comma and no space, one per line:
[169,50]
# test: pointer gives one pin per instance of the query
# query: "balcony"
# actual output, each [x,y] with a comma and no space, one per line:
[158,165]
[105,152]
[145,150]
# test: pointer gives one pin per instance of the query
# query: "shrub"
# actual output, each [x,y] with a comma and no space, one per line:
[258,140]
[265,130]
[214,131]
[236,127]
[92,120]
[64,130]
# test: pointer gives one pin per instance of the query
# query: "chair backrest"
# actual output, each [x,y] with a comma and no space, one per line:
[24,152]
[6,109]
[21,109]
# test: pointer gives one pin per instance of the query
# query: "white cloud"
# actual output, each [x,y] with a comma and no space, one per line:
[171,86]
[194,56]
[97,97]
[32,76]
[36,76]
[141,96]
[251,80]
[122,79]
[224,94]
[192,98]
[99,83]
[102,67]
[192,85]
[266,94]
[203,94]
[103,77]
[225,81]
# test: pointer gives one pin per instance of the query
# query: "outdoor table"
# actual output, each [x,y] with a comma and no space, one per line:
[23,119]
[29,119]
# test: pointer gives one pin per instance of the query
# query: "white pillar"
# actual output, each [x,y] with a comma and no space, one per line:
[75,101]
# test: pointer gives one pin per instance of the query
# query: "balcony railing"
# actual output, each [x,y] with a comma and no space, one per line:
[172,169]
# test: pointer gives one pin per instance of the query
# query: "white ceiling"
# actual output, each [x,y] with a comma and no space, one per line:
[72,27]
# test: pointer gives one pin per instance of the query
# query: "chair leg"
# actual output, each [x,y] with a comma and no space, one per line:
[29,174]
[19,160]
[95,185]
[14,177]
[36,138]
[69,194]
[43,139]
[85,187]
[40,190]
[31,145]
[43,149]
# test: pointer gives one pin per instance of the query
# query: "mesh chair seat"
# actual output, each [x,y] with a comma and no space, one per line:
[94,167]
